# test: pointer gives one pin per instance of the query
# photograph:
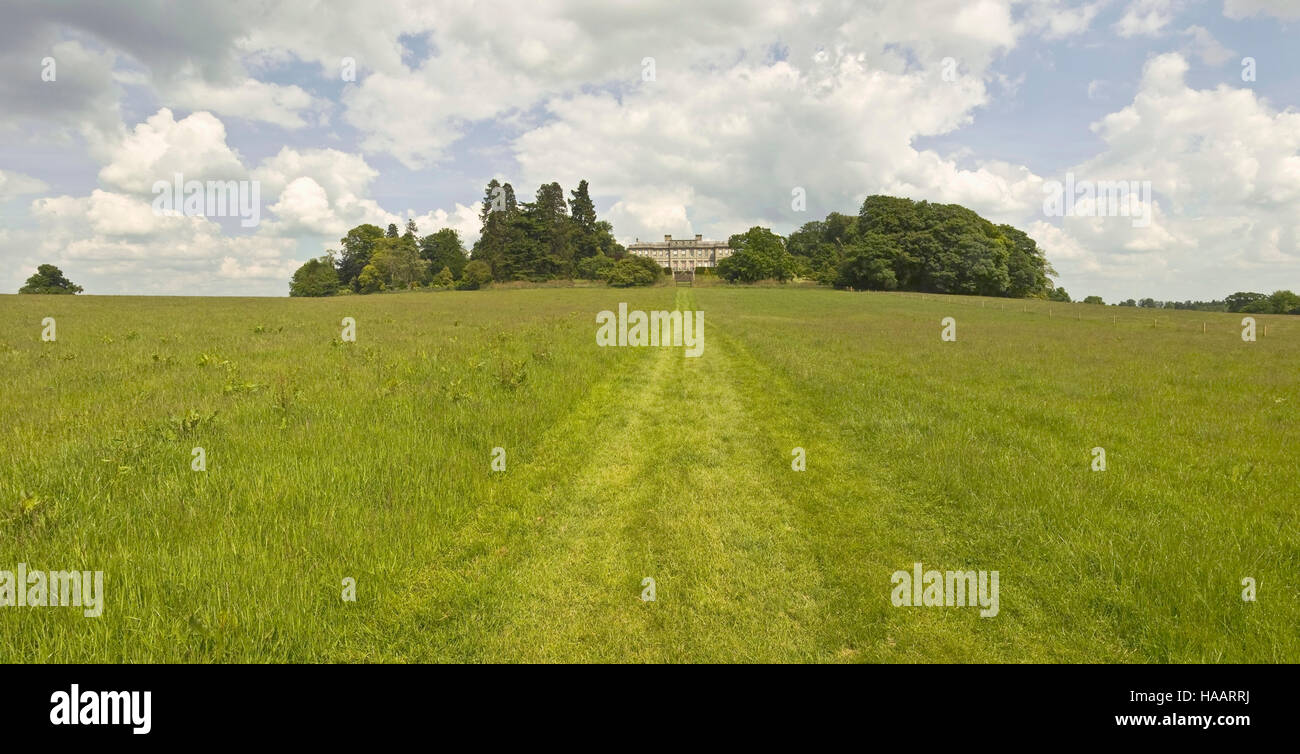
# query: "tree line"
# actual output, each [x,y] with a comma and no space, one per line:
[897,244]
[549,238]
[1244,302]
[890,244]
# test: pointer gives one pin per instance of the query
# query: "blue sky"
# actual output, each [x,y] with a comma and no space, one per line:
[748,101]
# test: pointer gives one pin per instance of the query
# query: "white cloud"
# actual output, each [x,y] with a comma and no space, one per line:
[1206,47]
[162,146]
[1147,17]
[249,99]
[16,184]
[1287,10]
[564,47]
[1225,170]
[1056,20]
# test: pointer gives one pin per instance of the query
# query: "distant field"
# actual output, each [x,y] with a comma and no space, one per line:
[372,460]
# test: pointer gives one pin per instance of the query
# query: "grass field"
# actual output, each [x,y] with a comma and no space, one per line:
[372,460]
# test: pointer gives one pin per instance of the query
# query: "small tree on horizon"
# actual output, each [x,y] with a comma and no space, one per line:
[50,280]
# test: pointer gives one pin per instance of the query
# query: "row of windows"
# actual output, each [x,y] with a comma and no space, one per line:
[688,253]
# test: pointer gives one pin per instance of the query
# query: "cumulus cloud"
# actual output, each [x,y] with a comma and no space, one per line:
[1225,169]
[161,147]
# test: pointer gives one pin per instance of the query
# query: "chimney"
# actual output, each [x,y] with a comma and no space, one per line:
[668,238]
[699,237]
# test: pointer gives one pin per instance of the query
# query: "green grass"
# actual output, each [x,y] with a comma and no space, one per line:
[372,460]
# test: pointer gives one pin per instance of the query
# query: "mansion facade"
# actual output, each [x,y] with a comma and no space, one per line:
[682,254]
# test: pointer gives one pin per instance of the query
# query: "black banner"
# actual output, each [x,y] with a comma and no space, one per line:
[992,704]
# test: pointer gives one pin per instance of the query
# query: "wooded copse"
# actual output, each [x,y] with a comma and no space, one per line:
[549,238]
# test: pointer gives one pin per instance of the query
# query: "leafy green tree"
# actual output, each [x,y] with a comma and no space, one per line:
[49,279]
[606,243]
[370,280]
[477,275]
[1094,300]
[392,231]
[820,246]
[940,248]
[758,254]
[443,279]
[358,246]
[868,265]
[315,278]
[444,249]
[398,262]
[1238,301]
[1284,302]
[1058,294]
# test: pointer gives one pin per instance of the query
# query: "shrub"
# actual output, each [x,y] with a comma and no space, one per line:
[477,275]
[634,271]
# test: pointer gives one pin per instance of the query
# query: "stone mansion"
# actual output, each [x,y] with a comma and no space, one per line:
[682,254]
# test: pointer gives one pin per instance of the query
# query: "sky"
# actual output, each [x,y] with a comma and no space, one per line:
[692,118]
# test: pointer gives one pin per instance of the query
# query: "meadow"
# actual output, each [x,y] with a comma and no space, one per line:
[372,460]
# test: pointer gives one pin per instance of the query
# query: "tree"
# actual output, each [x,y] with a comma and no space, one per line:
[49,279]
[586,239]
[411,231]
[1058,294]
[477,275]
[820,246]
[494,214]
[1284,302]
[1094,300]
[315,278]
[868,265]
[444,249]
[392,231]
[398,262]
[358,246]
[370,281]
[606,243]
[1238,301]
[553,232]
[443,279]
[940,248]
[758,254]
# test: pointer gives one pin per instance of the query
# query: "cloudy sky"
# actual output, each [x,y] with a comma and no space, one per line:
[697,117]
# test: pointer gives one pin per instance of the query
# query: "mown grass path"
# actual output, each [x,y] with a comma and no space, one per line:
[688,483]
